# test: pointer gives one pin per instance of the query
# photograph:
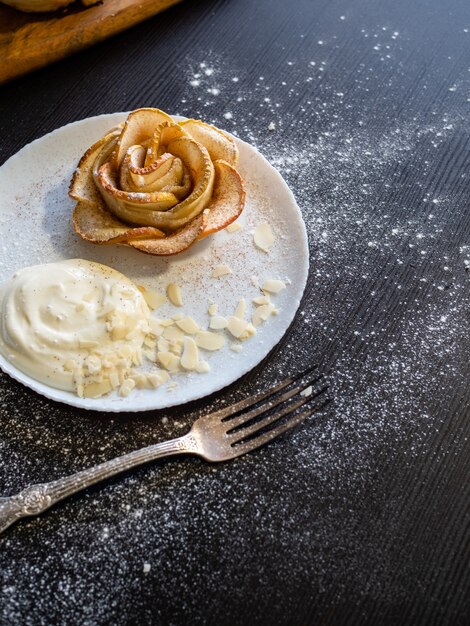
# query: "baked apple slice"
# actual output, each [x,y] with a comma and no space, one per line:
[175,243]
[228,198]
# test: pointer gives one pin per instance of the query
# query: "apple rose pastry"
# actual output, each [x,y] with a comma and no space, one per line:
[156,184]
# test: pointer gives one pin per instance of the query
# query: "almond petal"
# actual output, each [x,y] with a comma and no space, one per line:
[273,286]
[188,325]
[174,294]
[264,237]
[218,322]
[190,356]
[220,270]
[209,341]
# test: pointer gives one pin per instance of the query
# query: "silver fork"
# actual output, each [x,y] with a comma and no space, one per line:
[222,435]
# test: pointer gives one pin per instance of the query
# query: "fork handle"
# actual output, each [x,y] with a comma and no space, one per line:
[36,499]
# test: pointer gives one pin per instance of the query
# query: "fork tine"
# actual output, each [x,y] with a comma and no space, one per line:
[233,422]
[275,432]
[270,419]
[244,404]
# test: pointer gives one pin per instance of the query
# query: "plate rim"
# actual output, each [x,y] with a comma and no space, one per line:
[91,404]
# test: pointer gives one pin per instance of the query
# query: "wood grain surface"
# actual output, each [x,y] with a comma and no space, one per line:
[32,40]
[362,517]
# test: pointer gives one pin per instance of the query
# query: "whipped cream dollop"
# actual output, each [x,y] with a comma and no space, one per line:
[74,325]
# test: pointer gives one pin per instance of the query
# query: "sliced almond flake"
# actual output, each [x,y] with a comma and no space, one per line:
[156,328]
[149,342]
[220,270]
[273,285]
[261,313]
[114,379]
[168,360]
[188,325]
[165,322]
[249,331]
[176,347]
[164,375]
[233,227]
[143,326]
[307,391]
[241,309]
[263,237]
[174,294]
[118,332]
[97,389]
[213,308]
[190,356]
[178,316]
[209,341]
[172,333]
[93,364]
[154,299]
[140,380]
[133,334]
[261,300]
[156,379]
[137,357]
[109,360]
[236,326]
[203,367]
[125,352]
[151,355]
[163,345]
[236,347]
[126,387]
[218,322]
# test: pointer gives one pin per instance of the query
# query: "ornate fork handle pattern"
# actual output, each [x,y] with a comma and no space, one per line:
[36,499]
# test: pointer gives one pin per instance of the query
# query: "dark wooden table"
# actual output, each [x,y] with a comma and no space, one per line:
[362,516]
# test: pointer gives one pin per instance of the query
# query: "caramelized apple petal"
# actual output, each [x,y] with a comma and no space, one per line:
[96,224]
[218,144]
[138,128]
[228,198]
[82,186]
[175,243]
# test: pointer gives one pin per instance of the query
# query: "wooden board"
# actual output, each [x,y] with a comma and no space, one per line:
[29,41]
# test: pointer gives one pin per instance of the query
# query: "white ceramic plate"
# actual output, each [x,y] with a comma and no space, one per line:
[36,227]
